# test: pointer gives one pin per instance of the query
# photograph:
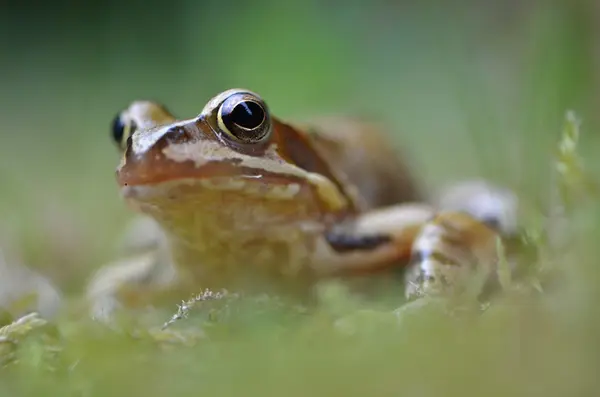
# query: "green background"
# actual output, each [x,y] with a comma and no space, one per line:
[469,88]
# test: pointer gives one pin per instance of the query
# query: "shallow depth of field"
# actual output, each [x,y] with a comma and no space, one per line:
[470,88]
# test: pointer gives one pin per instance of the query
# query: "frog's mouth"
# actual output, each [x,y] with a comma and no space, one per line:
[207,165]
[143,183]
[215,177]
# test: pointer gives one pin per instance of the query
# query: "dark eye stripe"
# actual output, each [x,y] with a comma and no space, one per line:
[346,242]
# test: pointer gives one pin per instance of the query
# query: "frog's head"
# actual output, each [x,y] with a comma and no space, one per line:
[233,152]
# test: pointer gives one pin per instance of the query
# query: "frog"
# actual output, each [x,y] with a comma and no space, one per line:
[237,198]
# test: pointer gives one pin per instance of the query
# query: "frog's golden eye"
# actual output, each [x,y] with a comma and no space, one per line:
[122,129]
[244,118]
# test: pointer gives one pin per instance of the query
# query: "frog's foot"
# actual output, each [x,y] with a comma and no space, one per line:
[134,281]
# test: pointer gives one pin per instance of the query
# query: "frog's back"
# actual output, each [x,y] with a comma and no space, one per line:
[365,154]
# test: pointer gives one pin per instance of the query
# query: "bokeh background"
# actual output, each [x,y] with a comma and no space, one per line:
[469,88]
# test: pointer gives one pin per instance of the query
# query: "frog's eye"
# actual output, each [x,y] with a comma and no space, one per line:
[244,118]
[122,128]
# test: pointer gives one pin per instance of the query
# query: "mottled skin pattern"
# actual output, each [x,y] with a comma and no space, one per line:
[447,252]
[236,213]
[457,247]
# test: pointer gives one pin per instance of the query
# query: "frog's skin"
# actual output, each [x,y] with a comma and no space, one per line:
[360,150]
[269,204]
[455,253]
[257,204]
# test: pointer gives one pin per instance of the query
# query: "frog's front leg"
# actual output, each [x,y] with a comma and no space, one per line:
[134,281]
[376,240]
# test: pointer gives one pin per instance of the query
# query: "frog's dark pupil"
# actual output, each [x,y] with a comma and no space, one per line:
[248,114]
[118,129]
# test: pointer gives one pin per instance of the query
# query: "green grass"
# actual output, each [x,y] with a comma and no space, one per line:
[496,87]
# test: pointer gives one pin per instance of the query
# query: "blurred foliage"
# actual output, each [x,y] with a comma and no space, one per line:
[470,88]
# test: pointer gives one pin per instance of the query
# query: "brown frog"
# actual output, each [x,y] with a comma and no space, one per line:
[244,200]
[236,198]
